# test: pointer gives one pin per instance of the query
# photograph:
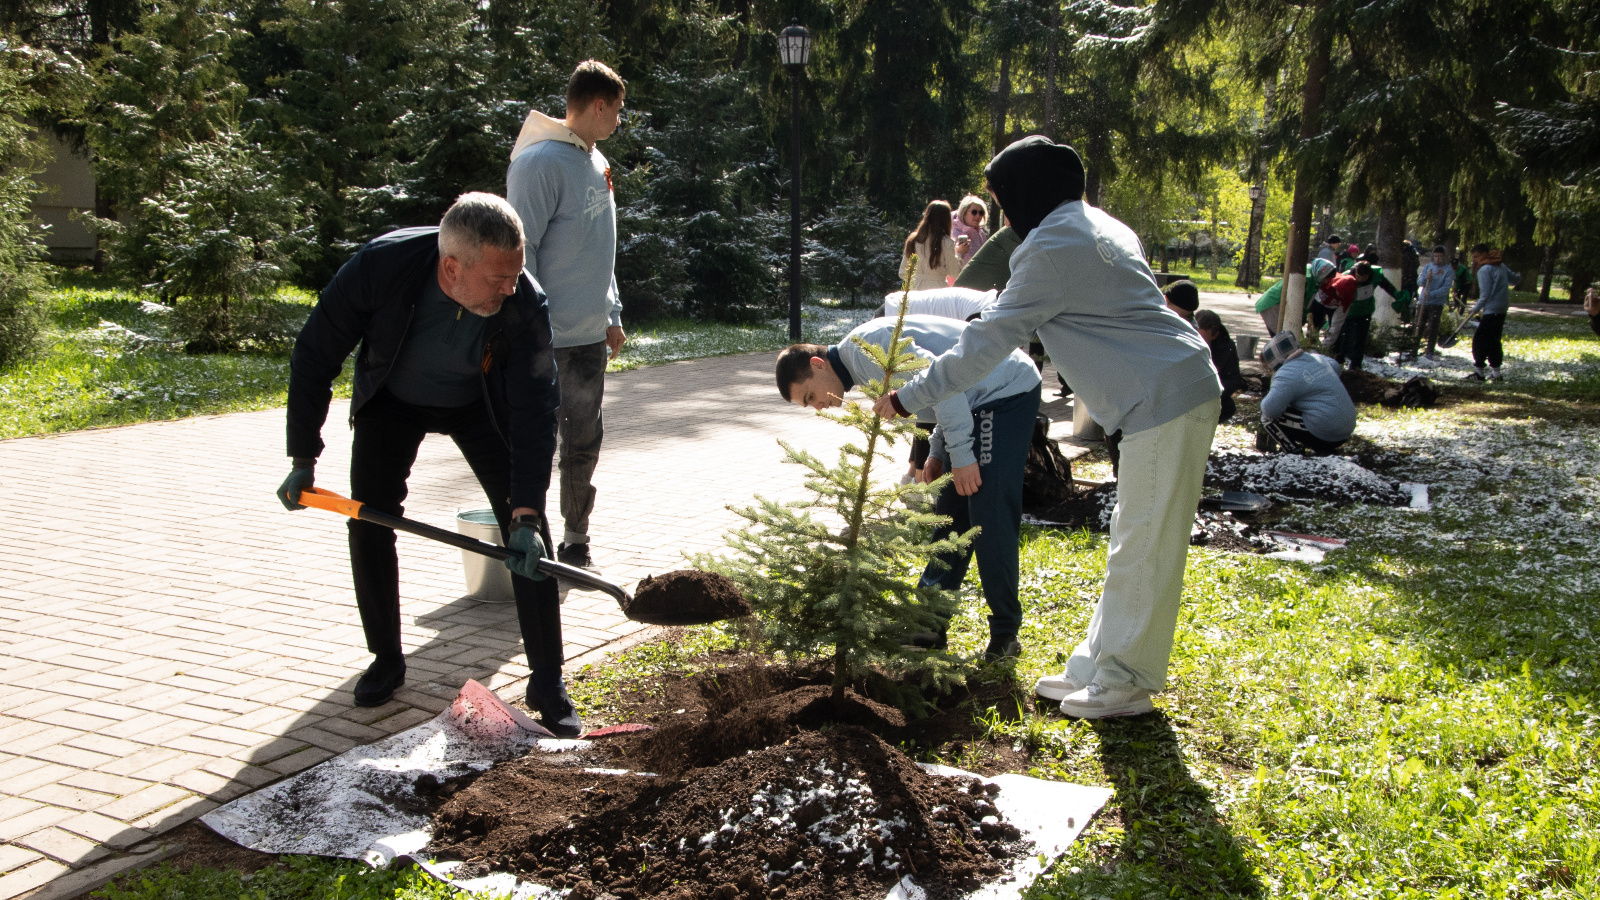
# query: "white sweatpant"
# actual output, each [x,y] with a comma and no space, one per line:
[1158,490]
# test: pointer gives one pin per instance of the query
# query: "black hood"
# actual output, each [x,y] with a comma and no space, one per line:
[1031,178]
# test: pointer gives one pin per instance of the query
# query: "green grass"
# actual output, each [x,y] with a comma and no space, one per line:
[106,360]
[678,339]
[294,878]
[1201,276]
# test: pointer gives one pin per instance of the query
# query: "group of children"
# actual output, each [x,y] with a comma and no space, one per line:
[1342,290]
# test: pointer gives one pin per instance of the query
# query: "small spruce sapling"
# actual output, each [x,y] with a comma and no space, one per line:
[839,573]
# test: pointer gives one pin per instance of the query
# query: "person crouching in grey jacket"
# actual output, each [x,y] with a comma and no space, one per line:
[1307,410]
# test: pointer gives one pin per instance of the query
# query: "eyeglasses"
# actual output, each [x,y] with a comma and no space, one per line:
[975,212]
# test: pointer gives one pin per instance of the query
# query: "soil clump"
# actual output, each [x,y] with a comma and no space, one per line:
[686,597]
[834,814]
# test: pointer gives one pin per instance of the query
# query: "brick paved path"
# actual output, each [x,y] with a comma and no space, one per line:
[171,638]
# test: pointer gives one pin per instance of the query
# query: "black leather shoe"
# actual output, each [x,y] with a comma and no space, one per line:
[1002,646]
[385,676]
[576,555]
[547,696]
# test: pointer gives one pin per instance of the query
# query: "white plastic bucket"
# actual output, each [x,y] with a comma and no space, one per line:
[488,579]
[1084,427]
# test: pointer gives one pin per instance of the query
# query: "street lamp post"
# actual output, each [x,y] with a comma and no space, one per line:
[794,47]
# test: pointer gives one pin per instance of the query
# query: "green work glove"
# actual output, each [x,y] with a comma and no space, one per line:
[529,544]
[300,478]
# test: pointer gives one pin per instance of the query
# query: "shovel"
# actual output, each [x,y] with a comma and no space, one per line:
[1448,342]
[355,509]
[1236,501]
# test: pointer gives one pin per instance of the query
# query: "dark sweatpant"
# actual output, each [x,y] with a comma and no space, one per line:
[1291,435]
[388,432]
[1486,341]
[1428,327]
[1001,432]
[1353,341]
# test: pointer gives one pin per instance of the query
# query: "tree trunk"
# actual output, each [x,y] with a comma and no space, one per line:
[1092,166]
[1194,252]
[1297,249]
[1250,266]
[742,50]
[1000,106]
[1213,241]
[1547,271]
[1391,234]
[1052,51]
[1164,255]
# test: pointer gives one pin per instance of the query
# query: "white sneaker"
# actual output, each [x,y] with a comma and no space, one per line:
[1055,688]
[1098,701]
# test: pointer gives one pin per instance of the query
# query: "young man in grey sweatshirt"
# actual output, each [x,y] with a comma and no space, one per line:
[1080,279]
[560,185]
[982,438]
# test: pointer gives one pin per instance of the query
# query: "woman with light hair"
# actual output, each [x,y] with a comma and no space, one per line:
[968,223]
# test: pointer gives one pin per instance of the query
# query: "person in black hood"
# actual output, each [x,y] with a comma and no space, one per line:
[1031,178]
[1081,279]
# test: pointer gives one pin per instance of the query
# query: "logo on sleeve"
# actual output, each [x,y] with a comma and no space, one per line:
[1107,250]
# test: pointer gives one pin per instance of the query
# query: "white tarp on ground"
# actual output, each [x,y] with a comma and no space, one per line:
[362,804]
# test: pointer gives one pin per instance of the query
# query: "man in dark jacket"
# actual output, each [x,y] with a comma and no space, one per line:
[454,338]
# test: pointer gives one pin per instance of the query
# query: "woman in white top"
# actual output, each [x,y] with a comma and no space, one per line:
[938,262]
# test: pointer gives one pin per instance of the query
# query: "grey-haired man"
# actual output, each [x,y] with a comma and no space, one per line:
[454,339]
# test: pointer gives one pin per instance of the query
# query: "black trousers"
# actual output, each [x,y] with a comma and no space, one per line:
[1291,434]
[1353,341]
[1486,341]
[388,433]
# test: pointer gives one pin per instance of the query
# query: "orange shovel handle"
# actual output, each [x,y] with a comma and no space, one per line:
[320,499]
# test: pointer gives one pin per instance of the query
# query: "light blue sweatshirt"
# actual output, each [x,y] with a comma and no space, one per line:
[1081,281]
[562,191]
[1310,383]
[931,336]
[1437,279]
[1494,290]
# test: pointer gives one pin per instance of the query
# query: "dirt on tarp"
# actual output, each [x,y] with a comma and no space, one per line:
[686,597]
[1364,387]
[1088,506]
[752,786]
[826,815]
[1290,476]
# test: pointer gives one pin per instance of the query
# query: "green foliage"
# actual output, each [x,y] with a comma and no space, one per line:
[164,89]
[851,247]
[830,575]
[20,248]
[703,207]
[225,232]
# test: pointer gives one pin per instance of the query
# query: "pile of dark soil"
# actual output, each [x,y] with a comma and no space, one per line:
[1289,476]
[686,597]
[761,787]
[835,814]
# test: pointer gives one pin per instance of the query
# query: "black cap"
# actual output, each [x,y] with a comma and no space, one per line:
[1184,294]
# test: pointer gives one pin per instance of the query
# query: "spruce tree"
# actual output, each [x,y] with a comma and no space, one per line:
[838,574]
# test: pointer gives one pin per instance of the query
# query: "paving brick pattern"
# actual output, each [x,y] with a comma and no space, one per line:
[171,638]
